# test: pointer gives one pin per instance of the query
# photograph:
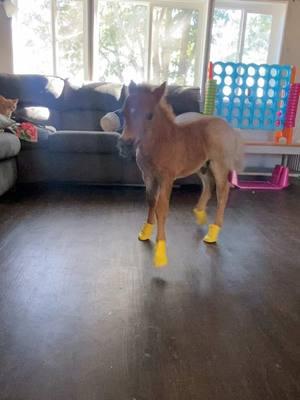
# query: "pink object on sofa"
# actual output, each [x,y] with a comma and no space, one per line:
[27,131]
[278,181]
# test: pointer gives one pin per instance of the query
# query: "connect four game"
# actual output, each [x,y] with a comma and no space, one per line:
[252,96]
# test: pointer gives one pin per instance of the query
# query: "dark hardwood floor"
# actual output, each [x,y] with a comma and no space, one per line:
[85,316]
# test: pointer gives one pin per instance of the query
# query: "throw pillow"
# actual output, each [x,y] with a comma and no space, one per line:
[112,121]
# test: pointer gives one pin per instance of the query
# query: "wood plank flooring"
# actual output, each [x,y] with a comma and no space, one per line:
[85,316]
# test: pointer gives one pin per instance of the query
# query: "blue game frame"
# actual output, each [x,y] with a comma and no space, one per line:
[251,96]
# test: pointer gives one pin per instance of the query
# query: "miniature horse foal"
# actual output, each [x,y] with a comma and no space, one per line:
[166,150]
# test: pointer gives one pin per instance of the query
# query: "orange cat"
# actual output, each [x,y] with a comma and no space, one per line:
[7,106]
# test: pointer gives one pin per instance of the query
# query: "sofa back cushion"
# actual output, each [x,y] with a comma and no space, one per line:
[83,106]
[81,120]
[39,97]
[33,90]
[93,96]
[49,100]
[183,98]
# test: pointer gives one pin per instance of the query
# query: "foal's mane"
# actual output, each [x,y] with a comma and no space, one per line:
[167,110]
[163,105]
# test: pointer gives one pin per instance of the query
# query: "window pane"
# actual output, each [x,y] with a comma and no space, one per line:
[258,30]
[225,35]
[70,38]
[122,41]
[32,38]
[174,38]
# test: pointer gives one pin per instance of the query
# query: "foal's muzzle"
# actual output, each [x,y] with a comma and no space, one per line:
[126,148]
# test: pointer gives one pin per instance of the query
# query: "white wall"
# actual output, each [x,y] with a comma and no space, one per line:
[6,57]
[291,49]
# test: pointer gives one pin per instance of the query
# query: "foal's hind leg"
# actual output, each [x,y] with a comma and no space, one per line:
[220,173]
[151,193]
[162,208]
[200,209]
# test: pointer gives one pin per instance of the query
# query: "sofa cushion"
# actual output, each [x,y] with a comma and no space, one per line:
[93,96]
[84,142]
[38,90]
[9,146]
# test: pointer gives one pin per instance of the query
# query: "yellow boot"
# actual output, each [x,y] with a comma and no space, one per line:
[212,234]
[201,216]
[160,254]
[146,231]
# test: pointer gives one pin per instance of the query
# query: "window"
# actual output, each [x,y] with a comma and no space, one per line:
[122,41]
[225,35]
[174,45]
[248,32]
[32,37]
[69,38]
[48,37]
[144,40]
[152,41]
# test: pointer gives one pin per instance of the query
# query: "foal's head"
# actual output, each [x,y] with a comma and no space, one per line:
[138,109]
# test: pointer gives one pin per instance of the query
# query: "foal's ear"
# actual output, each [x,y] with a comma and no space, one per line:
[132,87]
[160,91]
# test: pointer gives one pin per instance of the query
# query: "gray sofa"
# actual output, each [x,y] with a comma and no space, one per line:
[78,152]
[9,148]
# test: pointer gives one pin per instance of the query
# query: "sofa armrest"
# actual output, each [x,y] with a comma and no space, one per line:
[9,146]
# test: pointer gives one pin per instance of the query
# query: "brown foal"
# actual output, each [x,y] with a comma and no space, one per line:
[167,150]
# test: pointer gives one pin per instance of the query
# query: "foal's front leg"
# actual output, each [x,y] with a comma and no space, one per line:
[162,208]
[152,194]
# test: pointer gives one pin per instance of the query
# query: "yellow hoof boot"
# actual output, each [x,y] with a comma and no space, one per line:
[160,254]
[212,234]
[146,231]
[201,216]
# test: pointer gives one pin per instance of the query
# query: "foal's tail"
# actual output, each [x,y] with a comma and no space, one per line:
[239,152]
[233,149]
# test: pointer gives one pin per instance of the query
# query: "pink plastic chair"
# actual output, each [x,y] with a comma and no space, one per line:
[278,181]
